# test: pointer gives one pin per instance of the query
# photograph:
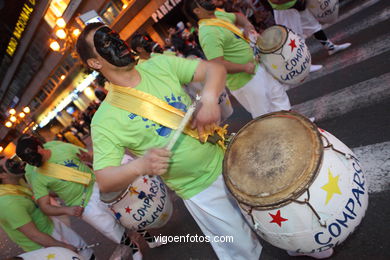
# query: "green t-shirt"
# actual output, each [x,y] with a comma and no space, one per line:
[284,6]
[17,211]
[71,193]
[194,166]
[220,42]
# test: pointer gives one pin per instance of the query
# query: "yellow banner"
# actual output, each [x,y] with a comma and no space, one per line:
[222,23]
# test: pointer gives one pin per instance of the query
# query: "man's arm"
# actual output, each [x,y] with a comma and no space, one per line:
[243,22]
[32,232]
[233,68]
[213,75]
[117,178]
[51,210]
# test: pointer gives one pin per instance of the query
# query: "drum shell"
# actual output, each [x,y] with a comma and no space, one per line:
[325,11]
[291,63]
[59,253]
[146,204]
[301,230]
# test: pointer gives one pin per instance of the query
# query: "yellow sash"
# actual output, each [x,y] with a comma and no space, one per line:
[64,173]
[10,189]
[154,109]
[222,23]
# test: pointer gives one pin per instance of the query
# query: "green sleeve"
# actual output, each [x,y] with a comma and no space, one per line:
[39,185]
[230,17]
[184,69]
[16,216]
[106,149]
[211,42]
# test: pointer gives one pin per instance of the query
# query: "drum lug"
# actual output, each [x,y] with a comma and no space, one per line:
[329,145]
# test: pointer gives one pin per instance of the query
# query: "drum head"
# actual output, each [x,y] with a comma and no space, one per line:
[272,39]
[273,159]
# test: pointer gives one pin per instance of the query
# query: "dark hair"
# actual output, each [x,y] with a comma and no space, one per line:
[84,50]
[188,10]
[136,41]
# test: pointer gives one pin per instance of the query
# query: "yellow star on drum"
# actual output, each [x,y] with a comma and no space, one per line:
[51,256]
[274,66]
[332,187]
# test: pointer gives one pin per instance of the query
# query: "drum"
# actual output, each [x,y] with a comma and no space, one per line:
[325,11]
[284,54]
[57,253]
[143,205]
[300,187]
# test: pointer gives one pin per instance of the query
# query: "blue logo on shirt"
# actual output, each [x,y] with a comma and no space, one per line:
[162,130]
[71,164]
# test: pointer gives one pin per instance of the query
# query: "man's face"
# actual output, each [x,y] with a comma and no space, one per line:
[113,49]
[15,166]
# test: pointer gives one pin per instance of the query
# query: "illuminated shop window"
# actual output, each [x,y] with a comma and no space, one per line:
[56,9]
[112,10]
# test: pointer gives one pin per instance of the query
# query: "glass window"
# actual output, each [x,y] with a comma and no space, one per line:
[55,10]
[111,11]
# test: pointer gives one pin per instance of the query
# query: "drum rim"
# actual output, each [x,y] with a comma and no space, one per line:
[118,198]
[281,46]
[300,189]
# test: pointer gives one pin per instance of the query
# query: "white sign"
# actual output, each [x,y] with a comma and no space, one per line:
[91,17]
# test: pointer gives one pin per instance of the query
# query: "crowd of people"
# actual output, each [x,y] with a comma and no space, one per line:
[192,168]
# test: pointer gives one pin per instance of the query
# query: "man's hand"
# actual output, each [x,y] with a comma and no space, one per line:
[85,156]
[250,68]
[155,161]
[76,211]
[206,117]
[248,30]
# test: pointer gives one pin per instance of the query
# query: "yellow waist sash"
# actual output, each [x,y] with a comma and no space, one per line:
[64,173]
[10,189]
[222,23]
[154,109]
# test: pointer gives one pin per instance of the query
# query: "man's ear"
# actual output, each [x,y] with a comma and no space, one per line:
[94,63]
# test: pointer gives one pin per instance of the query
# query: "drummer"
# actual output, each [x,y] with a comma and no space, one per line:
[294,15]
[193,169]
[81,200]
[25,223]
[256,90]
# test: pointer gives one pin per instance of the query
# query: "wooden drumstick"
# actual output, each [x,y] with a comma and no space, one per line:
[182,124]
[87,246]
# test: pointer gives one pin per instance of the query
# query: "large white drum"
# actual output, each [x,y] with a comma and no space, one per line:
[145,204]
[284,54]
[300,187]
[325,11]
[57,253]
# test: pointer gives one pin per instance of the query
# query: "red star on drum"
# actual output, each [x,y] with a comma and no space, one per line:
[292,44]
[277,218]
[145,180]
[128,210]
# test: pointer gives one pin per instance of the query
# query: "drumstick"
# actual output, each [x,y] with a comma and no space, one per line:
[87,246]
[182,124]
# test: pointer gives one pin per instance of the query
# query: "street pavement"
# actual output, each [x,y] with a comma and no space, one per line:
[350,98]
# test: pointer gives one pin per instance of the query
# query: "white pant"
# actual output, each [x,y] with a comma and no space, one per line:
[301,22]
[262,94]
[217,214]
[99,216]
[63,233]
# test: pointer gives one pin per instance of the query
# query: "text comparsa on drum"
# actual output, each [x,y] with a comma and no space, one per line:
[194,239]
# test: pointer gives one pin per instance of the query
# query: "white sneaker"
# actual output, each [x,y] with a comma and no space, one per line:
[317,255]
[315,67]
[155,244]
[338,48]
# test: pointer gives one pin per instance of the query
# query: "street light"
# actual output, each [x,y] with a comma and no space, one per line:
[13,119]
[67,37]
[26,110]
[8,124]
[12,111]
[22,115]
[1,149]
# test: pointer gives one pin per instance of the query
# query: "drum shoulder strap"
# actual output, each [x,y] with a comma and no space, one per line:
[9,189]
[151,107]
[64,173]
[222,23]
